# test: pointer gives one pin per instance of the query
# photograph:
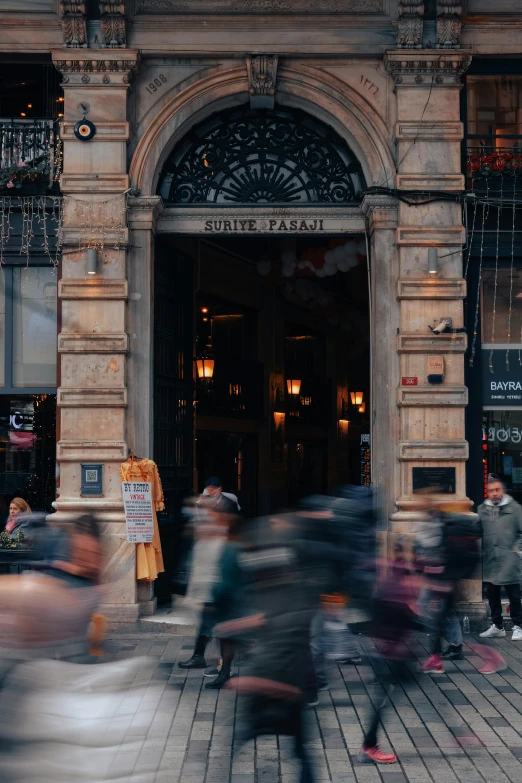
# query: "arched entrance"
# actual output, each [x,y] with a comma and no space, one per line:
[260,273]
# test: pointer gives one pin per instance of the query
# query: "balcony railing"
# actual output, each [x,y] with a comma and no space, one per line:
[29,154]
[494,163]
[236,390]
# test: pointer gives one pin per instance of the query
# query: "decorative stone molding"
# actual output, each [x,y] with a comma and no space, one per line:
[92,343]
[429,130]
[438,288]
[410,24]
[85,451]
[433,450]
[113,24]
[428,236]
[442,343]
[262,75]
[105,131]
[95,68]
[74,23]
[92,398]
[449,24]
[432,396]
[262,7]
[93,289]
[443,182]
[430,69]
[143,212]
[380,211]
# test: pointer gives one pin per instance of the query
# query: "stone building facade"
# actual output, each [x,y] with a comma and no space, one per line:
[386,75]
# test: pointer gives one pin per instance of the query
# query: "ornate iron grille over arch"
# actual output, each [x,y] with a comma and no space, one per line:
[276,157]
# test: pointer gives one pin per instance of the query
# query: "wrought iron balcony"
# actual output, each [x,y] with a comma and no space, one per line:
[235,390]
[494,164]
[30,158]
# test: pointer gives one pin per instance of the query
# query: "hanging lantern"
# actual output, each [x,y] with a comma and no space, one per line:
[293,387]
[357,398]
[205,368]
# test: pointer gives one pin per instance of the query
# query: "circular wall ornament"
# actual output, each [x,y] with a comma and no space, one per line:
[84,130]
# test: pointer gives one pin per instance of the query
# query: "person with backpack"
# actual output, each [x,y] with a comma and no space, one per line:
[500,520]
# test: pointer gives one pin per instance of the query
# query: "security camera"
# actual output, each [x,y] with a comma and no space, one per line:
[443,326]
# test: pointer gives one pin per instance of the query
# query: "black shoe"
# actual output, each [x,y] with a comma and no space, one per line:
[196,662]
[219,682]
[353,661]
[453,653]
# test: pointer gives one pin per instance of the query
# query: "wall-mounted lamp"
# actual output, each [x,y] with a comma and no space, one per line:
[205,368]
[343,427]
[293,387]
[433,261]
[357,398]
[92,261]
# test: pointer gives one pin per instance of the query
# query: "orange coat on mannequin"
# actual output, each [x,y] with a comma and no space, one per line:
[149,560]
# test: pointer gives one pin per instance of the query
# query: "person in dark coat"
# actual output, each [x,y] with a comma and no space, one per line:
[500,519]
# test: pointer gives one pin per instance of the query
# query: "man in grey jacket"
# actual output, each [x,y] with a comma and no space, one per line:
[501,520]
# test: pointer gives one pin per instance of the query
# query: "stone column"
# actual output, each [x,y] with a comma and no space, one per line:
[428,134]
[381,219]
[143,213]
[92,344]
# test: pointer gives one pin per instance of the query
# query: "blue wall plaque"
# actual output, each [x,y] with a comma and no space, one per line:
[92,479]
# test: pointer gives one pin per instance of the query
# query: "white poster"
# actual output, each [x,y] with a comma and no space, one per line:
[137,502]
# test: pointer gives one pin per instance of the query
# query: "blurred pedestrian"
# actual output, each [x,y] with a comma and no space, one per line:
[500,519]
[452,556]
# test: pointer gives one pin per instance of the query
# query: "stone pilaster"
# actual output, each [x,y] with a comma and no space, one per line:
[93,341]
[381,215]
[428,134]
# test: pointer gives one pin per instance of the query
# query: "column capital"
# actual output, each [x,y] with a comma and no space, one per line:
[380,210]
[427,68]
[96,66]
[144,211]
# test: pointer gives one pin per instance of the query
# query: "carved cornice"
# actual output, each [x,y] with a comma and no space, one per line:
[96,68]
[144,211]
[430,68]
[74,23]
[113,24]
[359,7]
[410,24]
[262,75]
[449,24]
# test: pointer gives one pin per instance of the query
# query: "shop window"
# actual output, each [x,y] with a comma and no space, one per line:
[494,108]
[27,451]
[34,327]
[502,306]
[28,329]
[502,444]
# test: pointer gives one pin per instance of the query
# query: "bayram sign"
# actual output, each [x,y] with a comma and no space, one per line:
[501,377]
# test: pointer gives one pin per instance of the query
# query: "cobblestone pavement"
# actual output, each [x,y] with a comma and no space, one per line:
[458,727]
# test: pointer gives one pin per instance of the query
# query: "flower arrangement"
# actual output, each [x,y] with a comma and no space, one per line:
[494,163]
[14,176]
[6,542]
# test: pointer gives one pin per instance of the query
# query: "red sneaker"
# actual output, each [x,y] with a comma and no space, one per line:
[432,666]
[376,755]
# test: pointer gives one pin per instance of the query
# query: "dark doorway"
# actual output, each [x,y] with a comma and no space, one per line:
[232,457]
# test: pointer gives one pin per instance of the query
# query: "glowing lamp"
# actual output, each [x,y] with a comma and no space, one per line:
[293,386]
[357,398]
[205,368]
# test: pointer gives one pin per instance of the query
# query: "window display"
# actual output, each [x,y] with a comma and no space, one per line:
[502,444]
